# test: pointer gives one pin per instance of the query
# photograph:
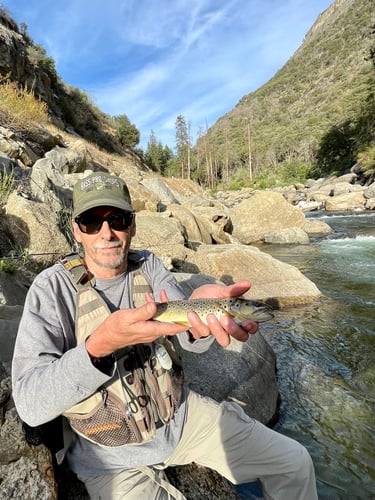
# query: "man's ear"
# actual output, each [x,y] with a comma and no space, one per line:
[76,231]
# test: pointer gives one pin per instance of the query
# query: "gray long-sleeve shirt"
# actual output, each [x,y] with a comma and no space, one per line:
[51,373]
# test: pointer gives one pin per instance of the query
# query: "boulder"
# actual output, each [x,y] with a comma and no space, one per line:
[276,282]
[247,376]
[369,192]
[310,206]
[16,149]
[247,370]
[330,193]
[232,198]
[345,202]
[142,197]
[161,234]
[155,229]
[9,320]
[262,212]
[287,236]
[26,472]
[370,204]
[48,177]
[35,227]
[67,160]
[160,189]
[351,177]
[316,227]
[194,230]
[215,220]
[183,189]
[13,290]
[202,225]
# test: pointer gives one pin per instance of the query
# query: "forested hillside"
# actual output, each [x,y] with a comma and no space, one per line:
[314,117]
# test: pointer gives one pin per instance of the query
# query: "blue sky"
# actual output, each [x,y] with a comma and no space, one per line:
[156,59]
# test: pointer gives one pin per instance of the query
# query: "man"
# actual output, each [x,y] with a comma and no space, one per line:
[53,373]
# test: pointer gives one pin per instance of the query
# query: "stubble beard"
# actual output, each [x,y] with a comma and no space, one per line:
[112,263]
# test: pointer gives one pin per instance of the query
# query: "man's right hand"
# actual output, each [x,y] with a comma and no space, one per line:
[128,327]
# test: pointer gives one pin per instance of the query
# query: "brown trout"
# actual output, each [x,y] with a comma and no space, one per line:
[238,308]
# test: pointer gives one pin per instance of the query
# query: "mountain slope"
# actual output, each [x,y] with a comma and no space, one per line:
[328,84]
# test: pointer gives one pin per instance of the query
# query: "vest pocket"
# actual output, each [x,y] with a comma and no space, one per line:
[107,424]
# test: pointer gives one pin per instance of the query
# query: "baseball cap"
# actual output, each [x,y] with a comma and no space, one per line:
[100,189]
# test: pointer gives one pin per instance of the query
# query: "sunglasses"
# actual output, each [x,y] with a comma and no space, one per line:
[92,224]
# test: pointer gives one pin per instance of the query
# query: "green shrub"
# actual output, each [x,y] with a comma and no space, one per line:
[293,171]
[6,186]
[367,160]
[38,56]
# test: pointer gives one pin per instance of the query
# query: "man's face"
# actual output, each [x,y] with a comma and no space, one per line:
[106,251]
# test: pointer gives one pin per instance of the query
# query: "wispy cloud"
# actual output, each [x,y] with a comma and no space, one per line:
[154,59]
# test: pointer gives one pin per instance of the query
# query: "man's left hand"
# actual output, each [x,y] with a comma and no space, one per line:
[226,327]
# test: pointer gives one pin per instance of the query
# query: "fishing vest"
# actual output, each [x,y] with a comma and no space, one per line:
[146,389]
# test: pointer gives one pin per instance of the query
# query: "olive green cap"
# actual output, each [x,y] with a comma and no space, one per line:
[100,189]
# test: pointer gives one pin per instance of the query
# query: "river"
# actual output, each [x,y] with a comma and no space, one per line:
[326,356]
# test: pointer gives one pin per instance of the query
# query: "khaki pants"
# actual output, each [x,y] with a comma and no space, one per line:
[221,437]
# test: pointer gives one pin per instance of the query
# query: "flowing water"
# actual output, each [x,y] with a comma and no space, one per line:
[326,356]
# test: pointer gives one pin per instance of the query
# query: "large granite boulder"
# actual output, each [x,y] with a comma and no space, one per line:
[261,212]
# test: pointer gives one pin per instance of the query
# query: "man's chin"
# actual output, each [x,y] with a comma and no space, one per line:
[112,260]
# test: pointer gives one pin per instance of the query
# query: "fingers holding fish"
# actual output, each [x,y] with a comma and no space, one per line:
[198,329]
[236,330]
[217,330]
[239,331]
[211,326]
[221,328]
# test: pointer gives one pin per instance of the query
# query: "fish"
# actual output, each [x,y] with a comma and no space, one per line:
[238,308]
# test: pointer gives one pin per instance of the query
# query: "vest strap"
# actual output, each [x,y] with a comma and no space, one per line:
[77,271]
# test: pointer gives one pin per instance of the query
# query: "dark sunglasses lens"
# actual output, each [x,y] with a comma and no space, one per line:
[89,224]
[92,224]
[120,222]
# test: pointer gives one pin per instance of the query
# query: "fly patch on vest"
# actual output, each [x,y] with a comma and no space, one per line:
[146,389]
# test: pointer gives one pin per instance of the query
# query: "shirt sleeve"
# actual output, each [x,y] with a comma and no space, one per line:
[50,373]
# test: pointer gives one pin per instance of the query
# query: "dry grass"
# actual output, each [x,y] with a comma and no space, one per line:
[20,108]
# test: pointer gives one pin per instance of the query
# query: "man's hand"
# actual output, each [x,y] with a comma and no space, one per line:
[128,327]
[226,328]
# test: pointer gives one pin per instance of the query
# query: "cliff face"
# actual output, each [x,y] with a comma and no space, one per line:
[17,64]
[327,18]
